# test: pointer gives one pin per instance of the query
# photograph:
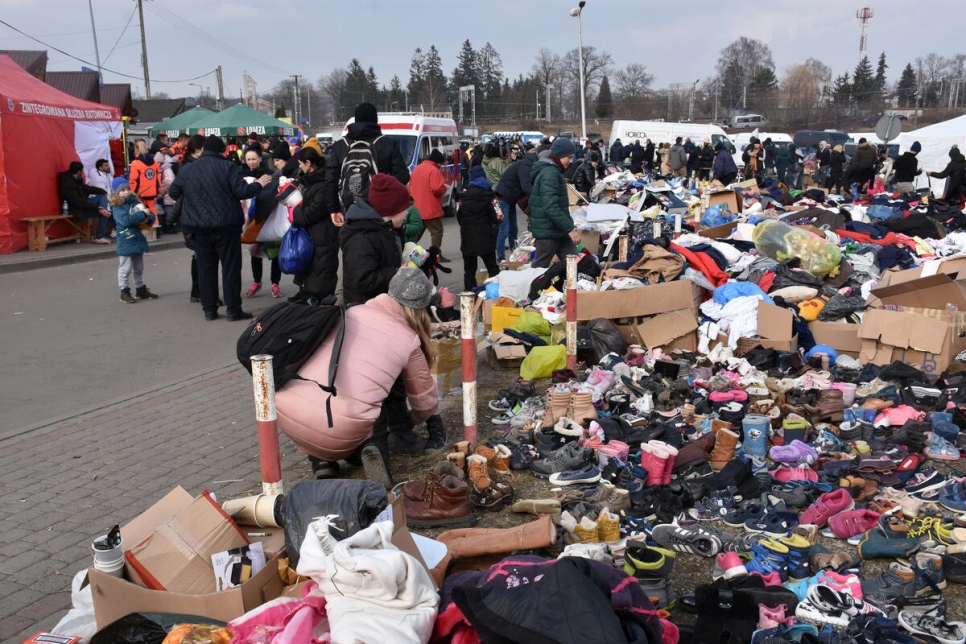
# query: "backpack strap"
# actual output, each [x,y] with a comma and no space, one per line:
[334,364]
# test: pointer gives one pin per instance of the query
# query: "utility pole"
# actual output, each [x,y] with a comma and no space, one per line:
[97,51]
[549,87]
[538,106]
[221,89]
[144,52]
[295,110]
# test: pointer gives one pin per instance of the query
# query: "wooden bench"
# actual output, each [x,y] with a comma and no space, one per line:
[39,227]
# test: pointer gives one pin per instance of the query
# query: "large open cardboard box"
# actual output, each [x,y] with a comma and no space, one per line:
[659,315]
[922,321]
[841,336]
[729,198]
[775,329]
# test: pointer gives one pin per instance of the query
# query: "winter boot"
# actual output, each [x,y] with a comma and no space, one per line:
[583,410]
[654,457]
[126,296]
[444,503]
[465,543]
[724,448]
[143,293]
[436,439]
[831,405]
[558,403]
[669,464]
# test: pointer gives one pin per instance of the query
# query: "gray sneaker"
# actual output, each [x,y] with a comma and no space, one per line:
[569,457]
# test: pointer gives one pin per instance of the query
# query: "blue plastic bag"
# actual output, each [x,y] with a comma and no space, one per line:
[716,216]
[296,252]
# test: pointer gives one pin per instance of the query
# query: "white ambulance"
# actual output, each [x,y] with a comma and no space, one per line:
[418,135]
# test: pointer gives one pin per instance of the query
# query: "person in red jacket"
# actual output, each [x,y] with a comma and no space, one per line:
[427,187]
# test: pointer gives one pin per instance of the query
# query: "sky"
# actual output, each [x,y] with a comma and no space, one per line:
[271,39]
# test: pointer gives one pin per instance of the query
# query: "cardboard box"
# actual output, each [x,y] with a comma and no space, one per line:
[172,543]
[940,292]
[929,338]
[950,267]
[497,318]
[774,329]
[114,598]
[841,336]
[590,239]
[504,352]
[659,315]
[729,198]
[719,232]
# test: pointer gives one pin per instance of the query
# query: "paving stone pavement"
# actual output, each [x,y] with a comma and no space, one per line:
[64,484]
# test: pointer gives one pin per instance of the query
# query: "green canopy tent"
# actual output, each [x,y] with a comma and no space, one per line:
[180,123]
[240,120]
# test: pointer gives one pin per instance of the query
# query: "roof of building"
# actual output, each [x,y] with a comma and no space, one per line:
[118,95]
[34,61]
[84,85]
[159,109]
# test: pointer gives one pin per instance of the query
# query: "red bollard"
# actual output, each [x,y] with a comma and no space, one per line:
[267,422]
[468,359]
[571,312]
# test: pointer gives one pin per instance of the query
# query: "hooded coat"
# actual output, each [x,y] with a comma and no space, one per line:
[312,214]
[954,171]
[386,153]
[379,346]
[372,253]
[427,187]
[549,205]
[145,179]
[212,186]
[477,220]
[130,239]
[75,192]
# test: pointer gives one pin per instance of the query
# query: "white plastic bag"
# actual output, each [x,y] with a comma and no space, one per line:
[79,620]
[275,226]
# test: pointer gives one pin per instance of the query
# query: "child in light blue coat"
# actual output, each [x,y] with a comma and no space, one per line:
[129,213]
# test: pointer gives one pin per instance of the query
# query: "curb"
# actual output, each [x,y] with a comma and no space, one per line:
[40,260]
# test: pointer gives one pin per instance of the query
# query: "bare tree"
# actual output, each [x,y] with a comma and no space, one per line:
[632,82]
[334,88]
[546,68]
[597,64]
[802,89]
[932,70]
[738,64]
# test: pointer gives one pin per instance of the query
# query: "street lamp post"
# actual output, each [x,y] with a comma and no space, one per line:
[549,118]
[201,93]
[576,13]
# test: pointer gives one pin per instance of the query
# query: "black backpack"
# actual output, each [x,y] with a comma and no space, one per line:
[358,167]
[290,333]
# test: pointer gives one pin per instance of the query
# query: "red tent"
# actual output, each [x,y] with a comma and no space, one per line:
[41,131]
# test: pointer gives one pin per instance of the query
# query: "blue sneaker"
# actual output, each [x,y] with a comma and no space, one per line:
[768,556]
[953,496]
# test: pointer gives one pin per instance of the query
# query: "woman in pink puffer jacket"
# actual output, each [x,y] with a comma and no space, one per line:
[386,337]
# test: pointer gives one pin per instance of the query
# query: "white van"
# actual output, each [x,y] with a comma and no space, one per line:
[417,135]
[525,136]
[328,137]
[748,121]
[662,132]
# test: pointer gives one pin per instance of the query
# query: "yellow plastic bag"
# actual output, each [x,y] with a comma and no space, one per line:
[541,362]
[778,240]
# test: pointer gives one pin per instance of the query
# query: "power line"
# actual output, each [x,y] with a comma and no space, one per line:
[89,63]
[121,35]
[70,33]
[207,38]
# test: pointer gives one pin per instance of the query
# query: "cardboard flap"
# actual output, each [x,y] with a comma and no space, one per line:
[143,526]
[661,330]
[774,322]
[933,292]
[635,302]
[898,329]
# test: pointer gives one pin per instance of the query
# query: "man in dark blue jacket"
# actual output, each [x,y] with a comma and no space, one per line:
[617,154]
[212,187]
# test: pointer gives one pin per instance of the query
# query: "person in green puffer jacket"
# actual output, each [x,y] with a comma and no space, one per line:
[550,220]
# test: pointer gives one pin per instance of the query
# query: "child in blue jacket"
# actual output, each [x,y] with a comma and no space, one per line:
[129,213]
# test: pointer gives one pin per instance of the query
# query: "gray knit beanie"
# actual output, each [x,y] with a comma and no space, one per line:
[410,287]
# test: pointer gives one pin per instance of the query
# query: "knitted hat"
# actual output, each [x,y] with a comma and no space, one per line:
[387,196]
[562,148]
[437,157]
[252,136]
[281,151]
[366,113]
[915,147]
[118,183]
[411,288]
[214,144]
[476,172]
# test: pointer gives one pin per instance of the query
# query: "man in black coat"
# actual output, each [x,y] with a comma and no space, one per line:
[636,153]
[80,204]
[617,154]
[955,175]
[514,189]
[211,187]
[385,152]
[479,225]
[649,155]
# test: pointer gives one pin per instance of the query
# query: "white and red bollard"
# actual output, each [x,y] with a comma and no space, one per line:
[267,422]
[622,248]
[468,360]
[571,312]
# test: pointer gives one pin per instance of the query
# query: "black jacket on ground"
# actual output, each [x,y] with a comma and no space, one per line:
[516,182]
[212,187]
[312,214]
[906,167]
[371,254]
[75,192]
[386,153]
[477,220]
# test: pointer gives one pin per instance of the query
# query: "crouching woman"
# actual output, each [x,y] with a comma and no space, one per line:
[385,338]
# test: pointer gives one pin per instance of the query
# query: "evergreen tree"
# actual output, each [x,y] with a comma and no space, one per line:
[880,74]
[357,85]
[863,81]
[280,111]
[906,89]
[434,90]
[489,96]
[372,85]
[605,102]
[763,89]
[842,90]
[467,70]
[417,76]
[395,99]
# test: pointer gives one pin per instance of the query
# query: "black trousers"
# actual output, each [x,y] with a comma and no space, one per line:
[276,272]
[469,268]
[210,250]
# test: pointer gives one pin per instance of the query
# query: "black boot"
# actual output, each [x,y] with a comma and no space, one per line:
[126,296]
[436,440]
[143,293]
[324,469]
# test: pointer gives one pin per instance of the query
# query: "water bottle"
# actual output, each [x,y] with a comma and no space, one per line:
[63,208]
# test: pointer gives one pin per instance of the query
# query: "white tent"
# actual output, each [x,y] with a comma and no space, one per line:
[935,141]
